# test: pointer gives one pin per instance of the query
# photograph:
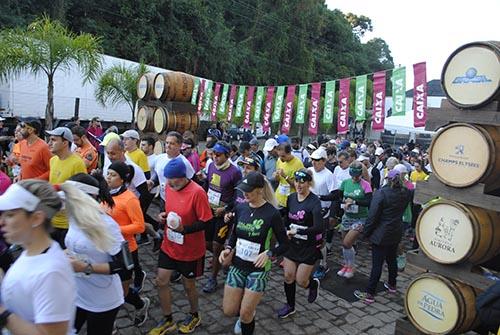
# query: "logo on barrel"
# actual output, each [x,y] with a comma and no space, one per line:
[432,305]
[471,77]
[444,233]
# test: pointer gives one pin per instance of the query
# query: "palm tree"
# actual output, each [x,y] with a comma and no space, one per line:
[46,46]
[118,84]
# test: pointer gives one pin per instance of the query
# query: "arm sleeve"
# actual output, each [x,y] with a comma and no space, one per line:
[143,195]
[195,227]
[280,233]
[374,213]
[365,202]
[53,297]
[134,212]
[334,195]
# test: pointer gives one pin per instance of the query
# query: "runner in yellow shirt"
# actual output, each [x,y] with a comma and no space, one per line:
[131,140]
[286,166]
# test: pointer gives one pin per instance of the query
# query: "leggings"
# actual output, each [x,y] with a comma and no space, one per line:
[97,323]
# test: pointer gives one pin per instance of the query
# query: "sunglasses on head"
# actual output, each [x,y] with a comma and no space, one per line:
[302,176]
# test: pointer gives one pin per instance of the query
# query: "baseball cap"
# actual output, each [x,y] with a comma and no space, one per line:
[319,154]
[311,146]
[175,169]
[222,148]
[401,168]
[344,144]
[131,134]
[249,161]
[302,176]
[379,151]
[393,174]
[270,144]
[252,181]
[108,138]
[362,158]
[63,132]
[17,197]
[254,141]
[282,139]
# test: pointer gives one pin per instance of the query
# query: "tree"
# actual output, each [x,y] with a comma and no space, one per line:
[118,84]
[46,46]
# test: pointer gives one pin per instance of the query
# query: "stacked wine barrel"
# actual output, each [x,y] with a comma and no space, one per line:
[164,104]
[450,232]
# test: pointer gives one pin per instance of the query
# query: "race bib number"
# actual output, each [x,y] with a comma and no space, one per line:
[246,250]
[213,197]
[284,190]
[297,227]
[175,237]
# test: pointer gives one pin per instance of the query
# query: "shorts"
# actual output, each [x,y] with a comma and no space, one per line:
[189,269]
[303,255]
[254,281]
[352,224]
[217,230]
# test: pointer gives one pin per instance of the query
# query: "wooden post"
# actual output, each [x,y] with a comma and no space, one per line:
[77,107]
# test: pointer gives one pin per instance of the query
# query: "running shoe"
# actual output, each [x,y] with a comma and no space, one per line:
[313,290]
[401,260]
[210,286]
[391,289]
[164,327]
[365,297]
[157,244]
[349,272]
[139,281]
[141,315]
[175,277]
[189,324]
[342,271]
[321,272]
[286,311]
[237,327]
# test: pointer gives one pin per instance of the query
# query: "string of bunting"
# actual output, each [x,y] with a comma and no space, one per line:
[238,101]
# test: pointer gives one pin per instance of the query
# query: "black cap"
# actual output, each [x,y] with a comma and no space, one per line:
[32,122]
[252,181]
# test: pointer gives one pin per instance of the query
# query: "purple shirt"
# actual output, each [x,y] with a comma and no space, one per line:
[5,182]
[221,184]
[194,159]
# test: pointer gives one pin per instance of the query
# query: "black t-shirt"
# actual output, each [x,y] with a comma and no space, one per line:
[305,214]
[252,234]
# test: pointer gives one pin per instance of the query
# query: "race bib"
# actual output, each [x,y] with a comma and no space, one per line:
[175,237]
[284,189]
[351,209]
[246,250]
[297,227]
[213,197]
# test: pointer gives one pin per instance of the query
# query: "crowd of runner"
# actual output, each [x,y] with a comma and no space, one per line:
[78,206]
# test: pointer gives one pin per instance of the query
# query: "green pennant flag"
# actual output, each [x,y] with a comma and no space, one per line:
[360,108]
[329,102]
[278,104]
[196,88]
[301,104]
[399,91]
[258,103]
[239,103]
[223,98]
[208,96]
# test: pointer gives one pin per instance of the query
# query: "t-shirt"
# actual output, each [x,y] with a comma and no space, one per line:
[34,160]
[96,292]
[60,171]
[356,191]
[305,216]
[323,184]
[191,204]
[418,176]
[339,175]
[41,288]
[221,185]
[139,157]
[284,188]
[5,182]
[89,155]
[161,162]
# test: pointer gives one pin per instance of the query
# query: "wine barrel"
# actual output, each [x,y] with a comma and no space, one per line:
[159,147]
[464,154]
[145,86]
[168,120]
[438,305]
[173,86]
[449,232]
[145,119]
[471,75]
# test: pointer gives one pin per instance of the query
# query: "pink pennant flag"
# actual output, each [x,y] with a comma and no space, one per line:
[201,96]
[287,120]
[343,113]
[314,110]
[248,109]
[232,94]
[419,95]
[267,109]
[378,114]
[215,104]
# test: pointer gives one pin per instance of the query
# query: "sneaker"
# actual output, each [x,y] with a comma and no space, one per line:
[237,327]
[142,315]
[157,244]
[189,324]
[321,272]
[349,272]
[365,297]
[210,286]
[391,289]
[175,277]
[164,327]
[139,281]
[401,260]
[143,240]
[286,311]
[342,271]
[313,291]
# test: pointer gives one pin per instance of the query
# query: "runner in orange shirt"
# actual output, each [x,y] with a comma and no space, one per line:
[85,149]
[35,153]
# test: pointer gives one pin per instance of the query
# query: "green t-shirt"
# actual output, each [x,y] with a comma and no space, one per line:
[356,191]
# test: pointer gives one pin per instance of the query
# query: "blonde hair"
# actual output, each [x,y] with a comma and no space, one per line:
[391,163]
[268,194]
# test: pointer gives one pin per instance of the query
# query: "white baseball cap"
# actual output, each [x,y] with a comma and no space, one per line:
[64,132]
[363,157]
[270,144]
[319,154]
[379,151]
[401,168]
[131,134]
[17,197]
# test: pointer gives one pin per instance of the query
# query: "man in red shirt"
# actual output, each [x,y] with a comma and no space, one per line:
[35,154]
[187,212]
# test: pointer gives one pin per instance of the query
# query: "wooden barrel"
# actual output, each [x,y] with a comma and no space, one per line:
[438,305]
[449,232]
[464,154]
[159,147]
[168,120]
[145,119]
[471,75]
[173,86]
[145,86]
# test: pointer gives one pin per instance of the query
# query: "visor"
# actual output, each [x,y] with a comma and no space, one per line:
[18,197]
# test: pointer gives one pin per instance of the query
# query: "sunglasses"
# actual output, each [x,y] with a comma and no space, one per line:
[316,159]
[302,176]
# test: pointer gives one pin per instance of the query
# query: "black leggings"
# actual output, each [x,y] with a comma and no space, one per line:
[97,323]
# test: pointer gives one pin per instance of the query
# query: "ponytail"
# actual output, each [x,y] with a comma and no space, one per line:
[268,194]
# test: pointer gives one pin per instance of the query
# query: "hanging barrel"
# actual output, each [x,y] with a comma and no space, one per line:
[471,75]
[168,120]
[438,305]
[464,154]
[145,119]
[145,86]
[449,232]
[159,147]
[173,86]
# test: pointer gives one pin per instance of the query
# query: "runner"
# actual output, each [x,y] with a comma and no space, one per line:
[34,153]
[85,149]
[182,249]
[249,250]
[305,227]
[286,167]
[131,141]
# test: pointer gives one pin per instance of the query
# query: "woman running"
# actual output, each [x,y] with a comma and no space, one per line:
[305,226]
[249,250]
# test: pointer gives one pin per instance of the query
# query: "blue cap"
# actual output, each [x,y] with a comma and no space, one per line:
[344,145]
[175,169]
[220,148]
[282,139]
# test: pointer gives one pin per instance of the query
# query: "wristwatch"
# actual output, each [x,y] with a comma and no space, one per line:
[88,269]
[3,318]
